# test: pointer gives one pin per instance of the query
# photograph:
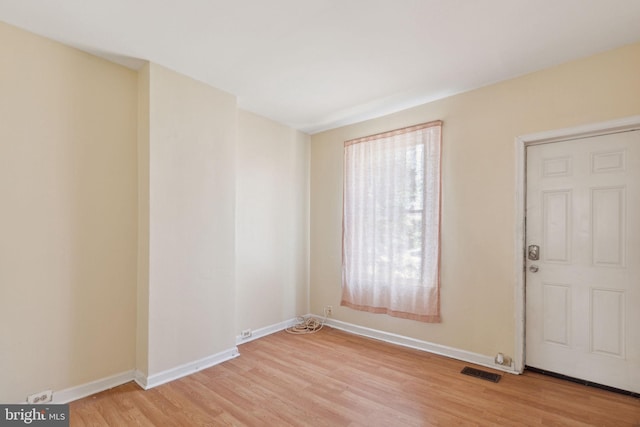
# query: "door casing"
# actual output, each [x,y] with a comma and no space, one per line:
[521,142]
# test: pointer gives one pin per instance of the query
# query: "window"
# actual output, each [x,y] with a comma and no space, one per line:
[391,223]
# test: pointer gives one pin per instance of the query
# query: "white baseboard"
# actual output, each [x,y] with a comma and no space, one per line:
[147,382]
[454,353]
[78,392]
[267,330]
[93,387]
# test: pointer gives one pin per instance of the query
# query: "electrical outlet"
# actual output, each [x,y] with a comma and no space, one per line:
[503,360]
[328,310]
[246,333]
[42,397]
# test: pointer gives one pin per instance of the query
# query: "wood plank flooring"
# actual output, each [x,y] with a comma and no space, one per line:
[332,378]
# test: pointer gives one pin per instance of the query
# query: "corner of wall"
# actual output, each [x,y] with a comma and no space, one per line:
[142,293]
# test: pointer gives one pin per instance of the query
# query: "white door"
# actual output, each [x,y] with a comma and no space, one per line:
[583,302]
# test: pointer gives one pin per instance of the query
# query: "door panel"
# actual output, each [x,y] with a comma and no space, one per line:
[607,322]
[608,213]
[583,299]
[556,226]
[556,309]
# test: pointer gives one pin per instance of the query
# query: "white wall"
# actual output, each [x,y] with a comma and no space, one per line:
[192,137]
[67,216]
[272,222]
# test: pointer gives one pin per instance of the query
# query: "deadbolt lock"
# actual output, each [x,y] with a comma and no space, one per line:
[533,252]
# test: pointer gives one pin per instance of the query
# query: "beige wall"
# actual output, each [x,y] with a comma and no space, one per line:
[67,216]
[112,208]
[272,222]
[118,246]
[192,149]
[478,231]
[142,295]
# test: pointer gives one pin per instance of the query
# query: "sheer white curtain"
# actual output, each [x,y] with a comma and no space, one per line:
[391,223]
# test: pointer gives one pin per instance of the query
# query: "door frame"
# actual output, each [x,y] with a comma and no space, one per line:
[521,143]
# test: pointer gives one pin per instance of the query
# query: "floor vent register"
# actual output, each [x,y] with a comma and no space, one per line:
[473,372]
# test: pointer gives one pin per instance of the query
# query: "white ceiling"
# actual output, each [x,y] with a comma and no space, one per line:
[318,64]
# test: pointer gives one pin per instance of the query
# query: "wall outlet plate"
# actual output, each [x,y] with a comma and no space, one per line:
[246,333]
[42,397]
[503,360]
[328,310]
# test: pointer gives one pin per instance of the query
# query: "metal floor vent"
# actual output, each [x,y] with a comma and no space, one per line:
[473,372]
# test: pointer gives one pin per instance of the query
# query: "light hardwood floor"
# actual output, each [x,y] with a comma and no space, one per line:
[332,378]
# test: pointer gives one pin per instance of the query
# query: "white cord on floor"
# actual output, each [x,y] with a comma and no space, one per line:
[308,325]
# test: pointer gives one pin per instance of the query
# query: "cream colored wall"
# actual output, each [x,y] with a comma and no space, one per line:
[192,149]
[272,222]
[67,216]
[142,295]
[99,193]
[478,216]
[119,220]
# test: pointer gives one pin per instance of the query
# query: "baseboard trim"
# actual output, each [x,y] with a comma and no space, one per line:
[442,350]
[78,392]
[267,330]
[148,382]
[141,379]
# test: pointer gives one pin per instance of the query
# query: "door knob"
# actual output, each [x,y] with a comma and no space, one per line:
[533,268]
